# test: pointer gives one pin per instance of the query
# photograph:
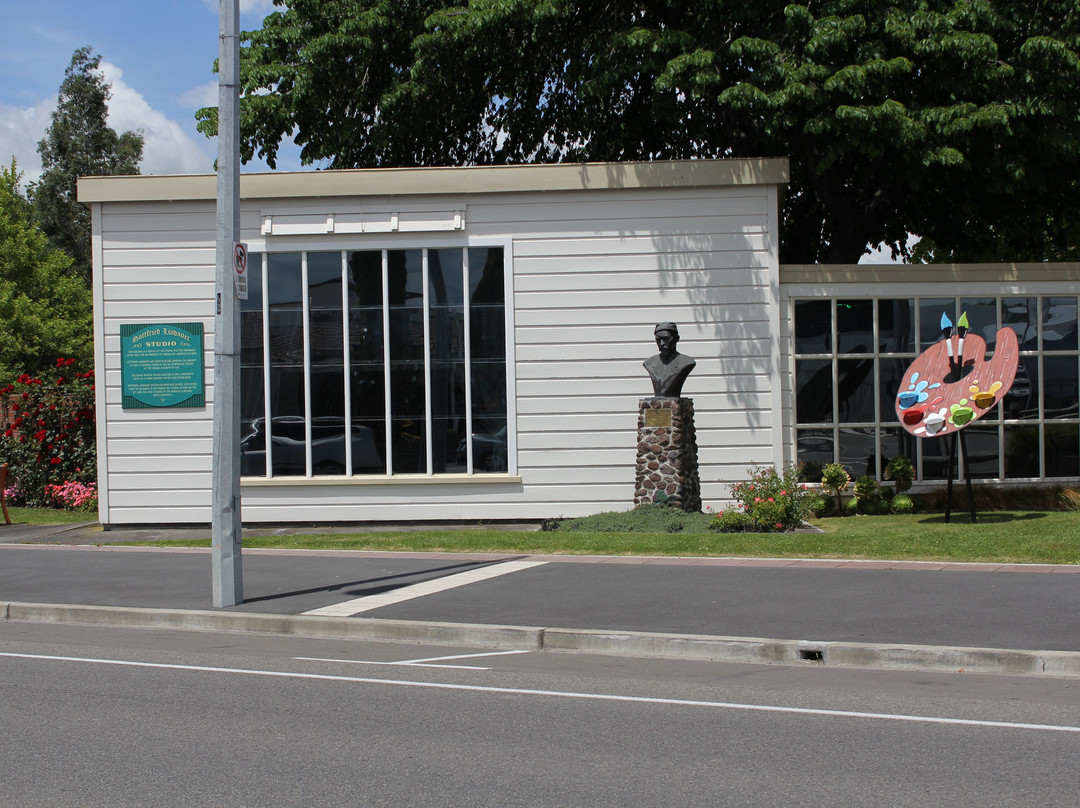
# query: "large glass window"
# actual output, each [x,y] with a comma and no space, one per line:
[374,362]
[850,355]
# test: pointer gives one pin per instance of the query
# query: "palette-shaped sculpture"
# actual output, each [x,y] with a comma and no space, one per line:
[952,384]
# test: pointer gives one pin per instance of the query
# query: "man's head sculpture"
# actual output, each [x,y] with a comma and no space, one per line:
[668,369]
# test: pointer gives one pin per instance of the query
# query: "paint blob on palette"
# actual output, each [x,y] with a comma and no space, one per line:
[952,383]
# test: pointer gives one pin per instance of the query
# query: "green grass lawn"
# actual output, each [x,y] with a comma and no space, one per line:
[1050,537]
[49,516]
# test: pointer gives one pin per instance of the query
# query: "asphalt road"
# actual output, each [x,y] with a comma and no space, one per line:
[103,716]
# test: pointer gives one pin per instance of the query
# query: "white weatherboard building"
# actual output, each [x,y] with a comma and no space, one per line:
[466,343]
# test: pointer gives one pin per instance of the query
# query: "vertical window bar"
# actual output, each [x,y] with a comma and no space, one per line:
[306,315]
[267,430]
[428,421]
[388,442]
[468,361]
[835,365]
[346,362]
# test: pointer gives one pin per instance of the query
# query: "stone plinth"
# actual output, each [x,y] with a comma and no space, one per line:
[667,459]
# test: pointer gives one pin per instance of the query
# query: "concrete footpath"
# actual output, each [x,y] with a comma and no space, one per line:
[977,618]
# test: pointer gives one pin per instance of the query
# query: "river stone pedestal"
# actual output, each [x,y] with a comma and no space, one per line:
[667,459]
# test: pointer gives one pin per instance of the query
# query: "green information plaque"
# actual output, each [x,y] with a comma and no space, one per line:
[161,365]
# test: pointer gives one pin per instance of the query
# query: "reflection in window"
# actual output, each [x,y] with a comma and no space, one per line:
[349,333]
[854,326]
[813,381]
[896,325]
[1059,323]
[813,326]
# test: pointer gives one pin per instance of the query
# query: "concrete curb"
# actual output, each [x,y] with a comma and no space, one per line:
[880,656]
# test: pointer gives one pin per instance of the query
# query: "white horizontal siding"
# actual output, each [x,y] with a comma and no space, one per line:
[593,273]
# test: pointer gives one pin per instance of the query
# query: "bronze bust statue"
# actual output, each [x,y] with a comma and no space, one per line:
[668,369]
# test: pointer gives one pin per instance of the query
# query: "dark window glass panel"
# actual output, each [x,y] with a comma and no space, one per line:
[855,390]
[1062,450]
[896,442]
[813,391]
[255,285]
[813,326]
[409,445]
[487,313]
[1059,323]
[1022,400]
[368,446]
[982,320]
[365,279]
[1021,451]
[407,390]
[447,414]
[1021,314]
[328,445]
[405,278]
[814,449]
[858,451]
[252,422]
[251,338]
[930,311]
[324,280]
[325,337]
[935,454]
[446,278]
[288,440]
[1060,387]
[896,325]
[488,396]
[286,337]
[982,451]
[855,326]
[284,281]
[890,382]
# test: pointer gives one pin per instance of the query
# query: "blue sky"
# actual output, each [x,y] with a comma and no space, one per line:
[157,54]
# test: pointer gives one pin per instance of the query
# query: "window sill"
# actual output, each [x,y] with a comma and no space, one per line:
[382,479]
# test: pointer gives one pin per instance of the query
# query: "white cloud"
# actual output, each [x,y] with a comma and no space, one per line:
[205,95]
[167,149]
[20,130]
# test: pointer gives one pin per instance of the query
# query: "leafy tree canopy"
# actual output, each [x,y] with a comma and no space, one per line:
[958,120]
[47,312]
[79,143]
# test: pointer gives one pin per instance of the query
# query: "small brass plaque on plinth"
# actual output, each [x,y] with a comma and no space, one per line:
[658,417]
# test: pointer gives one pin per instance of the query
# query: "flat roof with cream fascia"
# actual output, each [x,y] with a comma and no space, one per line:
[460,180]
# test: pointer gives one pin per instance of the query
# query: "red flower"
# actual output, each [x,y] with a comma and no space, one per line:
[7,433]
[55,461]
[25,396]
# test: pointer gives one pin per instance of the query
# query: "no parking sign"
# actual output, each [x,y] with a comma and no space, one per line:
[240,260]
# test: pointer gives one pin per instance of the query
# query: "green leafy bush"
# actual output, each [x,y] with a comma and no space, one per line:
[822,506]
[50,433]
[772,501]
[902,503]
[901,472]
[642,519]
[866,494]
[834,479]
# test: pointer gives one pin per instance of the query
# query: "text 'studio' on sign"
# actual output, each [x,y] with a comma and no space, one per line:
[240,260]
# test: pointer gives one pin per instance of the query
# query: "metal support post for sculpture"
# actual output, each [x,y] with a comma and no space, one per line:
[667,462]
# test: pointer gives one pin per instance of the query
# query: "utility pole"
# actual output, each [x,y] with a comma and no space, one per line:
[228,580]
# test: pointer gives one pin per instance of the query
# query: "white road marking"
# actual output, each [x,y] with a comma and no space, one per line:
[418,663]
[369,602]
[561,694]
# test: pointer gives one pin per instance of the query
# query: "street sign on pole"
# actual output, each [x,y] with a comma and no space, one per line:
[240,261]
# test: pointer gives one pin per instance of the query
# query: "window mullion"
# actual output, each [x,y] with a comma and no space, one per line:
[306,316]
[467,339]
[267,428]
[387,417]
[346,366]
[426,303]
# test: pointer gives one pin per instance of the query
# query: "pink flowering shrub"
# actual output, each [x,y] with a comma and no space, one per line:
[47,436]
[769,502]
[74,495]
